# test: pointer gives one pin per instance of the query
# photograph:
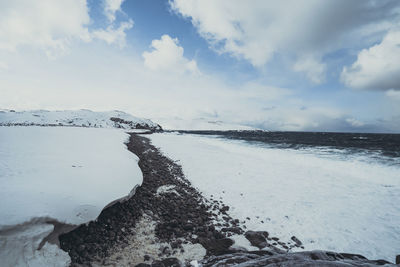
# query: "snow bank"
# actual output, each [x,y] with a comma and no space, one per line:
[19,246]
[82,118]
[66,174]
[328,202]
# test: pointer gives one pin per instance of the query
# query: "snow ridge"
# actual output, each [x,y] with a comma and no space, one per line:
[76,118]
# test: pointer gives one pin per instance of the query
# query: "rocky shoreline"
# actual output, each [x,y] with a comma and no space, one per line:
[169,223]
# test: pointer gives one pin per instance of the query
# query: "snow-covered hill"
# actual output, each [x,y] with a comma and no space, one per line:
[77,118]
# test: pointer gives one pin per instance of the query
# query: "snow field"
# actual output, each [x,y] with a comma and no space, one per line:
[62,173]
[330,203]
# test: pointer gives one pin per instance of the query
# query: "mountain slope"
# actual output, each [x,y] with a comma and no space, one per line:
[77,118]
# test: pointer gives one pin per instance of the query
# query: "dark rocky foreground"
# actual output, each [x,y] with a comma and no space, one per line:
[307,258]
[183,216]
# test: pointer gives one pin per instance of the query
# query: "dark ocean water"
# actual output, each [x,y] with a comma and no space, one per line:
[381,145]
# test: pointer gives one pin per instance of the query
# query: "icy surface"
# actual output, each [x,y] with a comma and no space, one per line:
[63,173]
[18,246]
[82,118]
[330,203]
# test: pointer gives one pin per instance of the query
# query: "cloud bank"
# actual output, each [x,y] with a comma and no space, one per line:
[305,30]
[377,67]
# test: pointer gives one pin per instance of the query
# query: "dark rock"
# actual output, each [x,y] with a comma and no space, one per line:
[398,259]
[171,262]
[157,264]
[224,208]
[297,241]
[188,227]
[311,258]
[142,265]
[235,230]
[146,257]
[174,244]
[81,248]
[217,246]
[257,238]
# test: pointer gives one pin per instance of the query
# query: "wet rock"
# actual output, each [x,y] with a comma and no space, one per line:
[398,259]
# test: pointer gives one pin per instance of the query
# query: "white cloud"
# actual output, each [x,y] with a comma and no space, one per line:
[54,25]
[112,35]
[167,55]
[111,7]
[354,122]
[48,24]
[314,69]
[377,67]
[259,29]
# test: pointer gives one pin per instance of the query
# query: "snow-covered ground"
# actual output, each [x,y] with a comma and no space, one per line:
[66,174]
[330,202]
[82,118]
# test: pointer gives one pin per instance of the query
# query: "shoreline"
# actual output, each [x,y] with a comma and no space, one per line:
[181,214]
[184,226]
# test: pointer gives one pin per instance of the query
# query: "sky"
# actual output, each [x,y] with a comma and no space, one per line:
[291,65]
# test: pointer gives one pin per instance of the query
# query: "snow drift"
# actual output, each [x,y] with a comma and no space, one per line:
[51,175]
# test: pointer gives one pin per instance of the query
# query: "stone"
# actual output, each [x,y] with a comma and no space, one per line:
[157,264]
[217,246]
[310,258]
[257,238]
[297,241]
[146,257]
[171,262]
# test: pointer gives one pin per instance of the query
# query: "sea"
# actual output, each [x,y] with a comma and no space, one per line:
[384,148]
